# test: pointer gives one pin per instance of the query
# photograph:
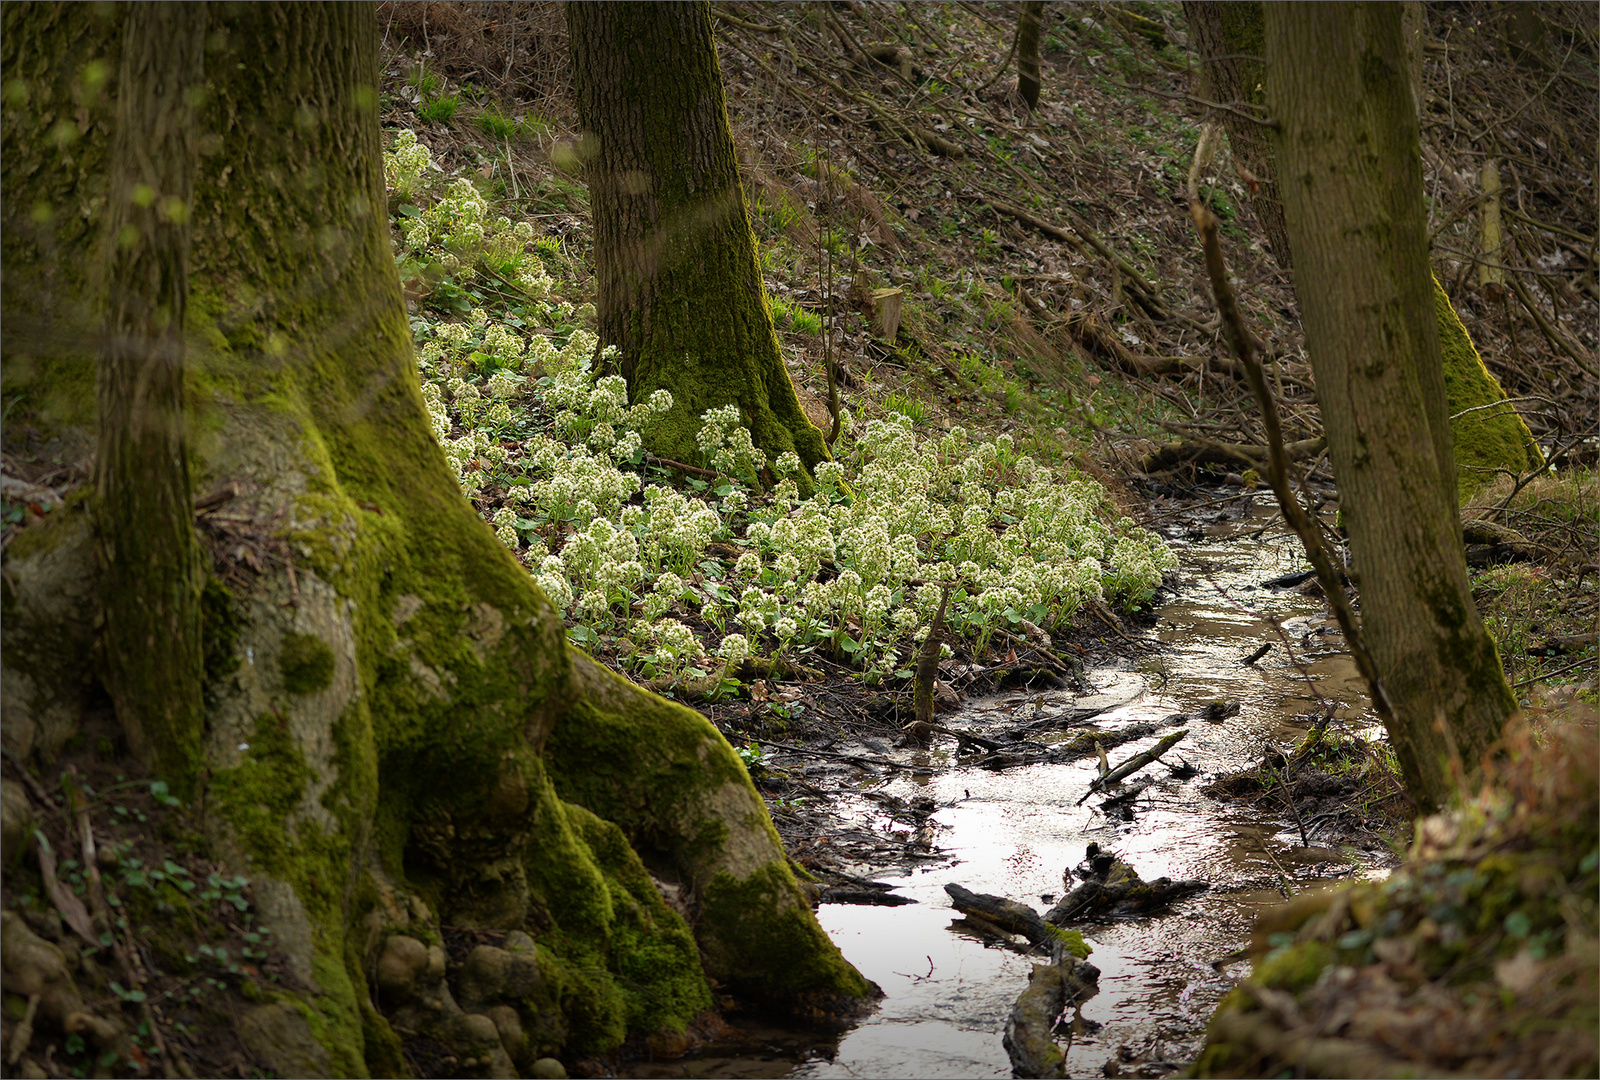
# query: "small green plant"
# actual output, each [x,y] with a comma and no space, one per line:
[751,754]
[911,408]
[439,110]
[787,316]
[495,122]
[427,83]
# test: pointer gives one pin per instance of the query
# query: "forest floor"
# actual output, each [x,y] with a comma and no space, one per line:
[1050,291]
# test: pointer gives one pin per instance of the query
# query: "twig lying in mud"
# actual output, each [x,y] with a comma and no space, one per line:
[1085,744]
[1134,764]
[853,758]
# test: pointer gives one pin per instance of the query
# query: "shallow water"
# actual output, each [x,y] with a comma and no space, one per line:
[1012,833]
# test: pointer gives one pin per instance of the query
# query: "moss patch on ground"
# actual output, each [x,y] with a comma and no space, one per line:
[1477,957]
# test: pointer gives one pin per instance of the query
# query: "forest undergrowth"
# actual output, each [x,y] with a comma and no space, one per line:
[1054,400]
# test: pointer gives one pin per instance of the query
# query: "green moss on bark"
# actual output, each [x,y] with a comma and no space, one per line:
[758,917]
[1486,439]
[680,288]
[306,664]
[681,796]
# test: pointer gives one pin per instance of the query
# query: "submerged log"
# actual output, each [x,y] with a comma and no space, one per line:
[1030,1029]
[1028,1038]
[1009,915]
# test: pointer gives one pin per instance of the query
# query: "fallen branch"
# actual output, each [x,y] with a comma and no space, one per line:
[1117,891]
[854,759]
[1147,294]
[1086,744]
[1134,764]
[1028,1039]
[724,15]
[1201,451]
[1556,336]
[1009,915]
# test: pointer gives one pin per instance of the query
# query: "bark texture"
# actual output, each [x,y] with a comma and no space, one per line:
[1227,36]
[680,289]
[396,734]
[1030,14]
[1350,156]
[151,575]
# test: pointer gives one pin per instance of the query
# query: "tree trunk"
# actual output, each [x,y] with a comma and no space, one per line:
[151,577]
[680,290]
[1029,14]
[394,719]
[1228,37]
[1349,146]
[1226,34]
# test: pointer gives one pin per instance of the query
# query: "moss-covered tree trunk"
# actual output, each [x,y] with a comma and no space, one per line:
[397,736]
[1227,36]
[680,290]
[150,577]
[1351,162]
[1030,13]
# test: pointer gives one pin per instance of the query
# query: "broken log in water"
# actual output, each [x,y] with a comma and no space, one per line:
[1028,1039]
[1117,891]
[870,897]
[1009,915]
[1030,1029]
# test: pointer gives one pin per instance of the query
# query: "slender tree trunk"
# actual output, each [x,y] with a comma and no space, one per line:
[680,290]
[1029,15]
[1226,34]
[151,574]
[1349,147]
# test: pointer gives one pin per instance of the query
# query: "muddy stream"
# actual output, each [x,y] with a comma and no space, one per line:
[1012,833]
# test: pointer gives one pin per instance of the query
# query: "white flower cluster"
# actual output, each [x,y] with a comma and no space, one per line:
[857,567]
[404,166]
[456,230]
[725,444]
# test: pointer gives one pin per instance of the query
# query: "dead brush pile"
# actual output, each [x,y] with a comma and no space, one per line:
[1477,957]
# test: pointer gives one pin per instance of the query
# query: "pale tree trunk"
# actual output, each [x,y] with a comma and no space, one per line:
[680,290]
[397,736]
[1030,14]
[151,574]
[1351,162]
